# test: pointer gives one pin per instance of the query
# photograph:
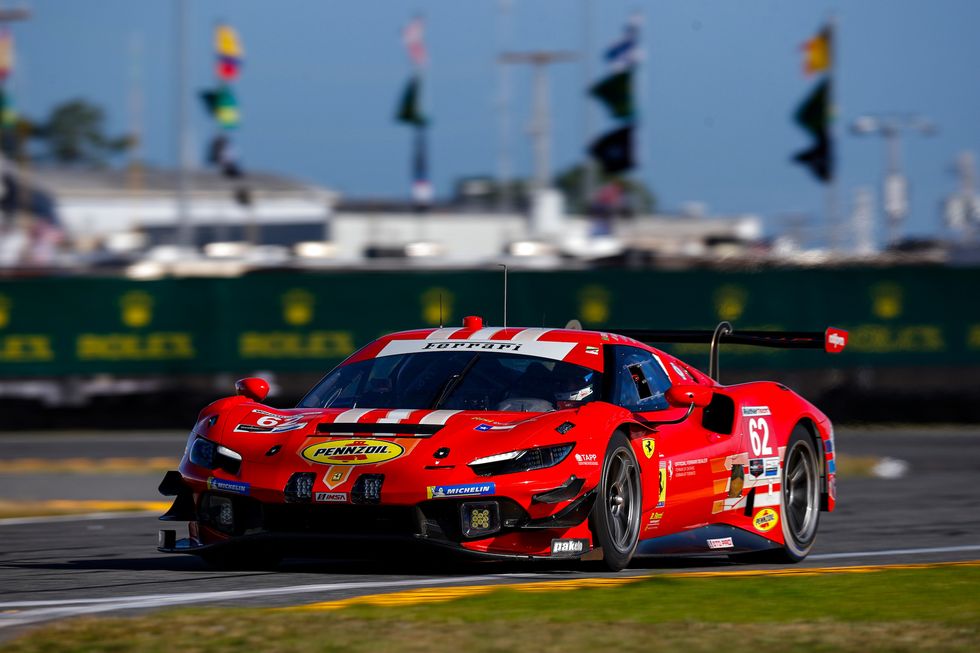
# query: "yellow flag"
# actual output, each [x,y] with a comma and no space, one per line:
[226,43]
[817,54]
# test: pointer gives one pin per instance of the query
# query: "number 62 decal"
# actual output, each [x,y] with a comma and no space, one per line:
[759,436]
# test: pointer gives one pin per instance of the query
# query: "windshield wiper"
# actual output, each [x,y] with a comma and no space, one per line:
[453,382]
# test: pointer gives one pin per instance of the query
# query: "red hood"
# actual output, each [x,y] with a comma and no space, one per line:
[253,429]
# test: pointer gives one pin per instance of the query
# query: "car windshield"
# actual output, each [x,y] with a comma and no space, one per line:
[459,380]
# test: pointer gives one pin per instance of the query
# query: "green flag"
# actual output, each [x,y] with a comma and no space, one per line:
[616,92]
[814,114]
[410,109]
[221,104]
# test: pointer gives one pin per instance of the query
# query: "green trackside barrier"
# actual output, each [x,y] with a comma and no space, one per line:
[307,322]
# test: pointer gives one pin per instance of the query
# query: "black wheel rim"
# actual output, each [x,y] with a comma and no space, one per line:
[623,501]
[801,492]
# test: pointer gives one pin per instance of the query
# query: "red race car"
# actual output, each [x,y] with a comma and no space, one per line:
[514,442]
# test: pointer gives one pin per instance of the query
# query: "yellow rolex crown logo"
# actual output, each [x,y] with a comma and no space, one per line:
[4,311]
[730,302]
[431,299]
[297,307]
[886,300]
[594,304]
[137,309]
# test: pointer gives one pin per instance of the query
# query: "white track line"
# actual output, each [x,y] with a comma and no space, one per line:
[12,613]
[77,607]
[894,552]
[87,516]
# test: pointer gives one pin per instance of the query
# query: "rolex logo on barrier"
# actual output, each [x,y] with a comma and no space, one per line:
[137,309]
[730,302]
[886,300]
[297,307]
[437,306]
[594,304]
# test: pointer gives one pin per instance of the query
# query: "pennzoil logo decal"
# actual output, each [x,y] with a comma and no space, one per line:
[352,452]
[765,520]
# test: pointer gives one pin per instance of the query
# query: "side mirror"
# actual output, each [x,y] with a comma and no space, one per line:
[683,395]
[252,388]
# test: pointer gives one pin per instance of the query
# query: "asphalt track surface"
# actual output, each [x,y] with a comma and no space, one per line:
[62,567]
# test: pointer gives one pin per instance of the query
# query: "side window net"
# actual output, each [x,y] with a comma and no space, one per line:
[640,381]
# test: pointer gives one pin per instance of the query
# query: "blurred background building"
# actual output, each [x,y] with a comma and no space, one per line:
[193,192]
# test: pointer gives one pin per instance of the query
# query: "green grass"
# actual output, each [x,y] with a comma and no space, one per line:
[936,609]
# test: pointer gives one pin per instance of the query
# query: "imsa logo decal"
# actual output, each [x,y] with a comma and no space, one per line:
[352,452]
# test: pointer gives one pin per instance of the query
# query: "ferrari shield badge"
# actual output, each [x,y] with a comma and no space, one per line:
[649,446]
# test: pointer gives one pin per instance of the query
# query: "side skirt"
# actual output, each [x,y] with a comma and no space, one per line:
[696,542]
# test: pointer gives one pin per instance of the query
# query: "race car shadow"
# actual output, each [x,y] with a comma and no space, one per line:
[436,563]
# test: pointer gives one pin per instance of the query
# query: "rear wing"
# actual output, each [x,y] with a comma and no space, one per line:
[832,340]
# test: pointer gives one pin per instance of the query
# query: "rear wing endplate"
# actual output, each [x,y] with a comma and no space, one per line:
[832,340]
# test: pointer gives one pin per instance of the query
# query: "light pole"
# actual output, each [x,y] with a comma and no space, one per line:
[890,127]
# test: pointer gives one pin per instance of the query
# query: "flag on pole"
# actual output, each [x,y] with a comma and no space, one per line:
[413,36]
[626,53]
[614,150]
[221,104]
[410,107]
[616,92]
[411,113]
[8,114]
[6,54]
[229,53]
[815,114]
[818,53]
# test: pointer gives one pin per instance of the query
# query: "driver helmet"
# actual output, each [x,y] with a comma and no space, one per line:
[575,390]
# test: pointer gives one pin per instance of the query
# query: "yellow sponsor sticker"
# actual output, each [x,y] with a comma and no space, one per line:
[662,498]
[352,452]
[765,520]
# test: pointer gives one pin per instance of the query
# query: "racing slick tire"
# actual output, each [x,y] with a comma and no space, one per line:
[616,516]
[800,513]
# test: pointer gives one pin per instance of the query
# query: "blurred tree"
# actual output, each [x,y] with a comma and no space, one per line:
[74,134]
[616,195]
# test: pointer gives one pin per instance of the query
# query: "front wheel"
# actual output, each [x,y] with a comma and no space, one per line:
[616,515]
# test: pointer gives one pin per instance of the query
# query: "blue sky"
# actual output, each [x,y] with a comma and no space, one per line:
[720,82]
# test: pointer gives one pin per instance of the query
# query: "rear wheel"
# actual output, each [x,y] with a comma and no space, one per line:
[616,515]
[800,499]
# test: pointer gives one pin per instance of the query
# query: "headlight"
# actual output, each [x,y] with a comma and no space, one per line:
[524,460]
[211,455]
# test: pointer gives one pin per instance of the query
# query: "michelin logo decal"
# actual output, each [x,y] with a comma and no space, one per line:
[472,490]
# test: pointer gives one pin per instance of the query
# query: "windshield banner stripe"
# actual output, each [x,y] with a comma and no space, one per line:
[484,334]
[442,334]
[553,350]
[530,334]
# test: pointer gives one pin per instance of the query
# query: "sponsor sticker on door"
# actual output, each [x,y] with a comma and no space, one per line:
[765,520]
